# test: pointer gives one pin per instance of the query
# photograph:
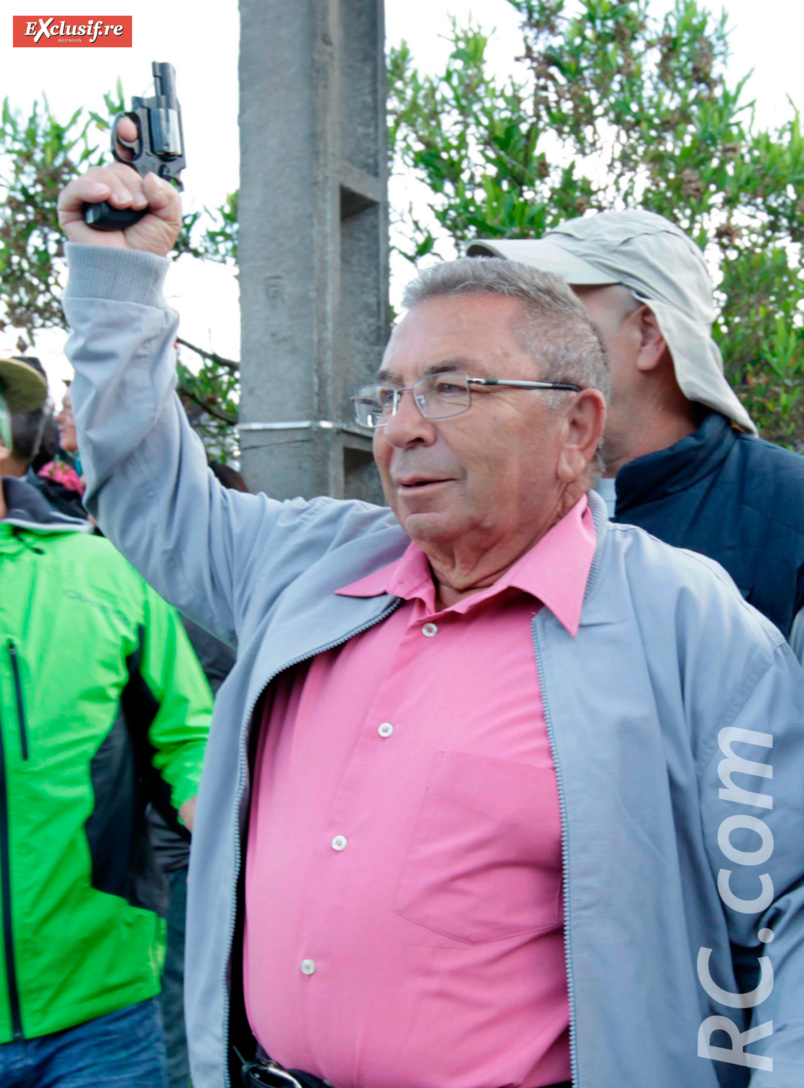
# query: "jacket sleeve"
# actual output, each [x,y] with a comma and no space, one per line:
[797,635]
[148,484]
[180,698]
[752,801]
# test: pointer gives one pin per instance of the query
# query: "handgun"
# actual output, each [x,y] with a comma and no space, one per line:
[159,147]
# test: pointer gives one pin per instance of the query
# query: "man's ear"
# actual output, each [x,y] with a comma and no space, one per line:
[585,422]
[652,345]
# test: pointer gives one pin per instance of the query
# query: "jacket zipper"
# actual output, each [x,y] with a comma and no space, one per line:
[564,863]
[15,667]
[5,877]
[241,772]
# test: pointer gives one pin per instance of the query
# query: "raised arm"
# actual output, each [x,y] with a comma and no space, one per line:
[147,478]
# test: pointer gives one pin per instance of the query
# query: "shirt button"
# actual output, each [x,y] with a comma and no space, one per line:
[339,843]
[308,967]
[386,729]
[429,630]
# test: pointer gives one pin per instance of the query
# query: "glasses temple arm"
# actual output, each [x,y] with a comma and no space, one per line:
[524,384]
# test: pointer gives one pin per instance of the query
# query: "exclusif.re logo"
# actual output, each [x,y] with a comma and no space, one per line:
[60,31]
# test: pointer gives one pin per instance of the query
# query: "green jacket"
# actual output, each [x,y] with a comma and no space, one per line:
[103,706]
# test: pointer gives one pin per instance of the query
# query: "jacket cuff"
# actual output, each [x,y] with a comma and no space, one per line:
[116,275]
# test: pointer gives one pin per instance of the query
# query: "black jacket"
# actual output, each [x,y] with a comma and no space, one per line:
[732,497]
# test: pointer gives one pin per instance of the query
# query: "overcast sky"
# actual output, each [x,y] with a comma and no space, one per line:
[765,36]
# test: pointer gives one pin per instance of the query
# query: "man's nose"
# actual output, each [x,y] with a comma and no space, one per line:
[407,425]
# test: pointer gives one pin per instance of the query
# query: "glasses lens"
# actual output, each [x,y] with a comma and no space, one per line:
[374,405]
[442,395]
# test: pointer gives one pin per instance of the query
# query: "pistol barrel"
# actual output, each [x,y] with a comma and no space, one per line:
[165,82]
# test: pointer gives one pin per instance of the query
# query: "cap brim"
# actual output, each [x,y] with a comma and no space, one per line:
[544,255]
[24,389]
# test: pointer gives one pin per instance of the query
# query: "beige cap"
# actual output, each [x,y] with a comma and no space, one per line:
[22,387]
[662,267]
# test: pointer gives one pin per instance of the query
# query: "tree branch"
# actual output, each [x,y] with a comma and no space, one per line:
[211,356]
[216,413]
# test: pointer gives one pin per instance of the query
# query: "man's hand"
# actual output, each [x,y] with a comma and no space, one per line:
[187,813]
[123,187]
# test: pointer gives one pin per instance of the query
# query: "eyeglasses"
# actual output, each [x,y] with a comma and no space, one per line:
[437,396]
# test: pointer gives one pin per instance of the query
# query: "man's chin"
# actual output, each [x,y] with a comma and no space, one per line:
[429,514]
[428,527]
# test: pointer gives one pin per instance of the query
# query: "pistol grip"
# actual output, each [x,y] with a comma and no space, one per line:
[103,216]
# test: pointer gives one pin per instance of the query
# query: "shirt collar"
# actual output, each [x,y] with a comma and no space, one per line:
[554,571]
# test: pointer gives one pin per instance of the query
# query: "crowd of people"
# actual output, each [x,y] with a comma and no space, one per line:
[104,725]
[505,779]
[104,708]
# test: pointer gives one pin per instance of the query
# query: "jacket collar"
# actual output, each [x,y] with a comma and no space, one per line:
[676,468]
[26,508]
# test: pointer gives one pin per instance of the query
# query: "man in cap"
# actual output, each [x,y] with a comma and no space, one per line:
[23,388]
[34,435]
[682,459]
[103,705]
[473,808]
[27,429]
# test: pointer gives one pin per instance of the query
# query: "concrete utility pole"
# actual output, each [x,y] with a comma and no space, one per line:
[313,249]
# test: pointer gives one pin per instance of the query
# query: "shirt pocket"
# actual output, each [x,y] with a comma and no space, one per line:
[484,859]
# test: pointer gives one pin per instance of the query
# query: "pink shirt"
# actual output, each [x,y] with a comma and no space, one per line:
[403,876]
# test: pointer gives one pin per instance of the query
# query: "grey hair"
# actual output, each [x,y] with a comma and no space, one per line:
[555,328]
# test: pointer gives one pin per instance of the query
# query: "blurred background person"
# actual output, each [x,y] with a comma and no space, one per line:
[62,475]
[103,706]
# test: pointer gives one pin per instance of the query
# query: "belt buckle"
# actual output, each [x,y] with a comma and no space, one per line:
[271,1075]
[282,1078]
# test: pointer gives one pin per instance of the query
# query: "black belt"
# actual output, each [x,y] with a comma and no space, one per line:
[270,1075]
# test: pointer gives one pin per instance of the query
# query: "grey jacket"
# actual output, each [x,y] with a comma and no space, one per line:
[675,716]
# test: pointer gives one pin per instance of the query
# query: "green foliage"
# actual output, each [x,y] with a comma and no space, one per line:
[210,392]
[218,242]
[611,108]
[38,156]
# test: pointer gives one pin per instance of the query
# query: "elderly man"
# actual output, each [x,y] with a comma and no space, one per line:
[681,457]
[496,793]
